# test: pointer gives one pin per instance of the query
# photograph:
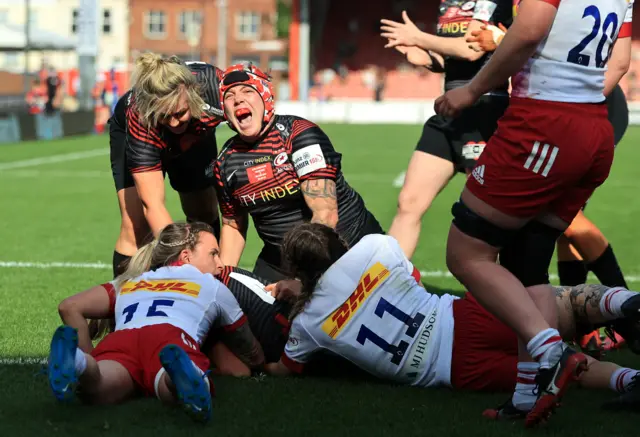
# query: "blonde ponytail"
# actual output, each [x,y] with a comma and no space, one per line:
[139,263]
[158,84]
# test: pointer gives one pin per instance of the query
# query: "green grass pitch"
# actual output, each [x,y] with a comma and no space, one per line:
[67,212]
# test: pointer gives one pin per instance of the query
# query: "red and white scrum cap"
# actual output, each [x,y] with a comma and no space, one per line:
[250,75]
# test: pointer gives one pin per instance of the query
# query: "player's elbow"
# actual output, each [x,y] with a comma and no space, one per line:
[68,308]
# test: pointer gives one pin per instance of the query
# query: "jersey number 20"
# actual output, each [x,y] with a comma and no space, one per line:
[397,351]
[608,31]
[151,312]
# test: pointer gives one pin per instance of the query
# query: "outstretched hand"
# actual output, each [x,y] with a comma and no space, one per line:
[400,34]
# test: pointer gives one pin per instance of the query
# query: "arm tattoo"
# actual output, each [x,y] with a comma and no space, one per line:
[245,346]
[238,222]
[319,189]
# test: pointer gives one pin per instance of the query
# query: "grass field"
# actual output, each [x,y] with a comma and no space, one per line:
[64,210]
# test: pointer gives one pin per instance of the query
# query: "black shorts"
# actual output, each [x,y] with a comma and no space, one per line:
[193,170]
[618,113]
[461,140]
[118,145]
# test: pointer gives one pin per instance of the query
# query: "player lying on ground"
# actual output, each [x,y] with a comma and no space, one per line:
[366,304]
[164,305]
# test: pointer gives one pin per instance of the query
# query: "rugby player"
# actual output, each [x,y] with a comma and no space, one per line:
[164,124]
[447,145]
[164,305]
[583,247]
[535,175]
[268,319]
[281,170]
[367,305]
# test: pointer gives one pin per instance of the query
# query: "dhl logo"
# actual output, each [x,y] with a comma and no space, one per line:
[160,286]
[368,283]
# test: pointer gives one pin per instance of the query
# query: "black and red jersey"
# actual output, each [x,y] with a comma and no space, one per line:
[154,149]
[267,318]
[263,180]
[453,20]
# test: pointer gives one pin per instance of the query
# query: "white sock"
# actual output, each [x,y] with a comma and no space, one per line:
[546,347]
[523,398]
[621,379]
[81,362]
[611,302]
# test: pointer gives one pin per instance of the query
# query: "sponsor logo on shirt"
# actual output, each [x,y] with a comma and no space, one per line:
[259,173]
[260,160]
[308,159]
[162,286]
[367,285]
[280,159]
[288,189]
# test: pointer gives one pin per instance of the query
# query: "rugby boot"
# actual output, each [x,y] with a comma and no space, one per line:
[591,344]
[552,383]
[191,388]
[629,326]
[629,401]
[62,363]
[505,412]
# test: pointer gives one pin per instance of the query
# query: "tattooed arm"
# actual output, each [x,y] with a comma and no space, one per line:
[245,346]
[320,196]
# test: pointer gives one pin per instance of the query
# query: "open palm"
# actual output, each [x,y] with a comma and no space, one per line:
[400,34]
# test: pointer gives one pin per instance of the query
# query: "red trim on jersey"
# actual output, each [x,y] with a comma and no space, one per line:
[416,274]
[555,3]
[157,167]
[235,325]
[625,30]
[111,291]
[176,264]
[292,365]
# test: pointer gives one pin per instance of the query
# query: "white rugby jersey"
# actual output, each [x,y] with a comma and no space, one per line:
[181,296]
[569,64]
[369,308]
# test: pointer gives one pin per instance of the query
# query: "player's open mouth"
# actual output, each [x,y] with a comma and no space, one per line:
[244,117]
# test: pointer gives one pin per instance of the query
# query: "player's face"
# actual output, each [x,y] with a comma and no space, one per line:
[205,256]
[177,121]
[244,108]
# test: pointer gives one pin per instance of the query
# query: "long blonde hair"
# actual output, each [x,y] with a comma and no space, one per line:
[162,251]
[158,84]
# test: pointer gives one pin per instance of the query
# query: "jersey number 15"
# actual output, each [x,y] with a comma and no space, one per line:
[151,312]
[608,28]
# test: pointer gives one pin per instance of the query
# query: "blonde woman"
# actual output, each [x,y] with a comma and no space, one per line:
[164,305]
[164,125]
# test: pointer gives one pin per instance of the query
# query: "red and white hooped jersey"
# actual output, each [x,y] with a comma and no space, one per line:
[570,63]
[181,296]
[369,308]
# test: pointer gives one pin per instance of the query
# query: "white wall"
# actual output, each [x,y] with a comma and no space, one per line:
[56,16]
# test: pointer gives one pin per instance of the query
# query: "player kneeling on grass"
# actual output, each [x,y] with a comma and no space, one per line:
[164,305]
[367,305]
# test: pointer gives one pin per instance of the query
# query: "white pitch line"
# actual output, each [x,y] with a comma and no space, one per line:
[399,181]
[53,159]
[22,361]
[50,265]
[101,265]
[90,174]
